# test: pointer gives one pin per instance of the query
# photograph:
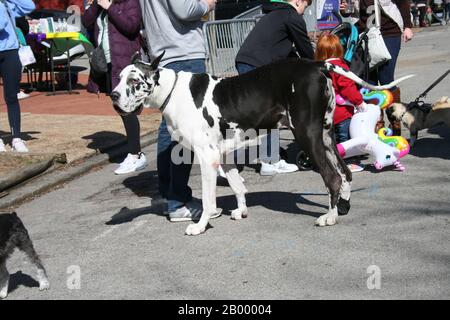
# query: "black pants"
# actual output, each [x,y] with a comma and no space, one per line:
[11,72]
[130,122]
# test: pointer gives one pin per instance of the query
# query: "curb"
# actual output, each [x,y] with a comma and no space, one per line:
[62,174]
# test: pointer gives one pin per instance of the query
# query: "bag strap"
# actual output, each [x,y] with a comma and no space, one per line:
[12,22]
[377,13]
[102,19]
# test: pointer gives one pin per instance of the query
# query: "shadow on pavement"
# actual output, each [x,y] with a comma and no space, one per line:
[103,141]
[144,184]
[25,135]
[21,279]
[433,147]
[286,203]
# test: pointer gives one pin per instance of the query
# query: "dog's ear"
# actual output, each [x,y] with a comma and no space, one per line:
[444,99]
[136,57]
[14,214]
[155,63]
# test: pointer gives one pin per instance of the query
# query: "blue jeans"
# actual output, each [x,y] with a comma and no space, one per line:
[385,73]
[342,131]
[266,143]
[174,178]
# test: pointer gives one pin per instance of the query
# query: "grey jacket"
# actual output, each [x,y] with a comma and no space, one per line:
[176,27]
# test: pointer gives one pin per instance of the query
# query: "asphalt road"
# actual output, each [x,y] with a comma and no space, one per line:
[104,236]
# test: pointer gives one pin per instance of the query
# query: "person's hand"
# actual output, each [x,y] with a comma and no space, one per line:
[90,2]
[211,4]
[407,34]
[105,4]
[362,107]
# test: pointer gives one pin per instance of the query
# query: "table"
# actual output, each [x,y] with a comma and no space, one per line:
[55,41]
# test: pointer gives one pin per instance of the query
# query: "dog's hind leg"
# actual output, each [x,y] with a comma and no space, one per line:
[321,147]
[238,187]
[24,243]
[346,186]
[209,162]
[4,279]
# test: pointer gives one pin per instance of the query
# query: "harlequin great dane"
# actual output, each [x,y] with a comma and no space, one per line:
[210,116]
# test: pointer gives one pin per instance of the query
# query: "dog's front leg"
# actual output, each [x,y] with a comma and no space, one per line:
[209,164]
[236,184]
[413,137]
[4,280]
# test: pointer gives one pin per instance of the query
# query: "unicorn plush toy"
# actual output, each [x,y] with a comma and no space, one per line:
[386,150]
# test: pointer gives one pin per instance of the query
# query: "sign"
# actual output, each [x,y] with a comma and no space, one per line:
[325,17]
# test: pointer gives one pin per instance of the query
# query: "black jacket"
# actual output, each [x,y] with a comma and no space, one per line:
[272,37]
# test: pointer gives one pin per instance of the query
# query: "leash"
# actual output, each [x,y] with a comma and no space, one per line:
[163,106]
[419,103]
[434,84]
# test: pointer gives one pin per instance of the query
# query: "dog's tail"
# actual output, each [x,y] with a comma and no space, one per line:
[329,67]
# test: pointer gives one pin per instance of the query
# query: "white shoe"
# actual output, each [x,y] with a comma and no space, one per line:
[2,146]
[191,211]
[132,164]
[18,145]
[278,167]
[22,95]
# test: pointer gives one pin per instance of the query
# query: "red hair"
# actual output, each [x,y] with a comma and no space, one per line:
[329,46]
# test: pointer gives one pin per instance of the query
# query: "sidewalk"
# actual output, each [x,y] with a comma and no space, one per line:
[77,126]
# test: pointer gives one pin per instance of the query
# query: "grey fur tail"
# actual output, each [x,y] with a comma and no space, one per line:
[348,74]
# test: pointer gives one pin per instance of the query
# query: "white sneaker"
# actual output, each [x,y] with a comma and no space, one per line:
[281,166]
[18,145]
[191,211]
[2,146]
[132,164]
[22,95]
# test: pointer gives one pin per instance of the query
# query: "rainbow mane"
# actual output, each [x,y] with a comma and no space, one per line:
[384,98]
[398,142]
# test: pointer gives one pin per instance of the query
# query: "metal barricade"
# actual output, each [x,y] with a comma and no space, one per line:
[223,39]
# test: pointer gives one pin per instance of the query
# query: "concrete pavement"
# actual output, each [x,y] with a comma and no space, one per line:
[108,233]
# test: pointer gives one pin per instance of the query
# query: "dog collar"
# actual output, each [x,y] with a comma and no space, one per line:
[163,106]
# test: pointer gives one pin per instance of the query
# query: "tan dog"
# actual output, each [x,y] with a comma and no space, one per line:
[416,119]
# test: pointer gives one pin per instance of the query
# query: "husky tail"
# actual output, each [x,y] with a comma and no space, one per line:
[329,67]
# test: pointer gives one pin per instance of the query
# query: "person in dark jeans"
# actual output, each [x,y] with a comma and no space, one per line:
[271,40]
[116,27]
[446,10]
[11,67]
[395,26]
[175,27]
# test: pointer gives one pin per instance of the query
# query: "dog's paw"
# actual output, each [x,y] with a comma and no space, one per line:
[44,285]
[3,295]
[194,229]
[239,213]
[328,219]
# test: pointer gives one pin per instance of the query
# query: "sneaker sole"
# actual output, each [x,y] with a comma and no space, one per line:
[127,172]
[214,216]
[276,172]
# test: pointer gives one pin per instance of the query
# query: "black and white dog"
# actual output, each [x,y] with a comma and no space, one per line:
[13,234]
[210,116]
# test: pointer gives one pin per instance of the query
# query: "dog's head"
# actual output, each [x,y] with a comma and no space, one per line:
[396,111]
[137,84]
[412,119]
